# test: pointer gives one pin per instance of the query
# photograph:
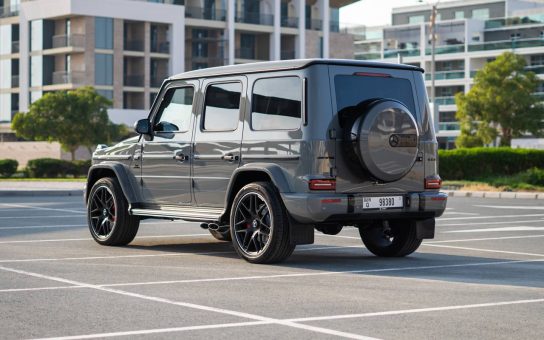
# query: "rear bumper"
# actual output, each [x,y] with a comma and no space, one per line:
[329,207]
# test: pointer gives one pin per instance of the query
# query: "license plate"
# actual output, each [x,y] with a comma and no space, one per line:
[383,202]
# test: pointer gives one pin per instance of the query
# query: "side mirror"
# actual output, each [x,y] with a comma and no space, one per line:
[143,127]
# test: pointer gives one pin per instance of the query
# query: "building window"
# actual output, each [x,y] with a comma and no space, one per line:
[222,107]
[108,94]
[459,14]
[416,19]
[276,104]
[103,69]
[175,111]
[480,13]
[103,33]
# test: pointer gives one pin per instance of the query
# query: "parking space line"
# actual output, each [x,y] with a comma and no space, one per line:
[522,207]
[489,230]
[45,226]
[417,310]
[39,208]
[482,250]
[192,305]
[40,217]
[487,223]
[485,239]
[90,239]
[459,213]
[14,290]
[488,217]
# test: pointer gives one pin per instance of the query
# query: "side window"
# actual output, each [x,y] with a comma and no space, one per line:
[222,107]
[276,104]
[175,112]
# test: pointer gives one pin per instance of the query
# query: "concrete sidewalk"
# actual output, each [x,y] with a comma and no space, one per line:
[41,188]
[22,188]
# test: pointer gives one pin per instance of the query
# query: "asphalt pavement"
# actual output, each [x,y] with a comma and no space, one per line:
[482,277]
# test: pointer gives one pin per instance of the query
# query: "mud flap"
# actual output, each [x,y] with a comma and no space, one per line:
[300,233]
[425,228]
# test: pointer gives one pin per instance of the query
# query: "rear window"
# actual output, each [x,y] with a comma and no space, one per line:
[352,90]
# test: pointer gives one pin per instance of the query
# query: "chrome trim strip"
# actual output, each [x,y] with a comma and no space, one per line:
[181,213]
[106,157]
[275,157]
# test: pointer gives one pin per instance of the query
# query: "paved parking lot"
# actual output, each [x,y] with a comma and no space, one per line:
[482,277]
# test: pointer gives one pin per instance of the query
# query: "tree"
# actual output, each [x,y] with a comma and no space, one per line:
[500,104]
[73,118]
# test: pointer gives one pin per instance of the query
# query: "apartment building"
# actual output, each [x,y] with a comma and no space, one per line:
[125,48]
[469,33]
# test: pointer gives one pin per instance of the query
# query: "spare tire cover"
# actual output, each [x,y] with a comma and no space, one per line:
[386,139]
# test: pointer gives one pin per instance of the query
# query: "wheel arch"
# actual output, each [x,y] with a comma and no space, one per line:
[117,171]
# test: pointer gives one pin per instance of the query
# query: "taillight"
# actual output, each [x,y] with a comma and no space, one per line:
[322,184]
[433,183]
[372,74]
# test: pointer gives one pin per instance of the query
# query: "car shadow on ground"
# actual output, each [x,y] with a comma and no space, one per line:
[358,261]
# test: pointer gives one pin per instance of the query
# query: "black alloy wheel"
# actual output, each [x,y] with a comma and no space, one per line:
[102,213]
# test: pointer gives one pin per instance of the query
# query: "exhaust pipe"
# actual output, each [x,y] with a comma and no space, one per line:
[204,225]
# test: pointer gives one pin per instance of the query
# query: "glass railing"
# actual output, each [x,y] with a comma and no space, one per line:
[404,53]
[205,13]
[255,18]
[506,44]
[66,77]
[368,56]
[443,75]
[515,21]
[15,47]
[445,100]
[449,126]
[289,22]
[70,40]
[314,24]
[162,47]
[538,69]
[135,80]
[134,45]
[9,11]
[15,80]
[446,49]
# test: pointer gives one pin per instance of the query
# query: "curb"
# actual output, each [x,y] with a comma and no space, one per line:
[28,193]
[496,194]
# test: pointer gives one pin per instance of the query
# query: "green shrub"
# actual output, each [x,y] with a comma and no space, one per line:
[481,163]
[8,167]
[49,168]
[81,168]
[534,176]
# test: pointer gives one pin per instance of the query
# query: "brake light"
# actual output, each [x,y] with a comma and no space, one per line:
[372,74]
[433,183]
[322,184]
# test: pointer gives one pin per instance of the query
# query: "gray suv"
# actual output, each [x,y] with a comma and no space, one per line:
[262,154]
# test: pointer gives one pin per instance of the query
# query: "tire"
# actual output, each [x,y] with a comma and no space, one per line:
[259,224]
[107,214]
[330,229]
[399,241]
[221,236]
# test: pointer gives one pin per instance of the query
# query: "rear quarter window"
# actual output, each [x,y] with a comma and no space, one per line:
[352,90]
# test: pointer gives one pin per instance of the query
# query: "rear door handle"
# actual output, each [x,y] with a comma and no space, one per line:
[230,157]
[180,157]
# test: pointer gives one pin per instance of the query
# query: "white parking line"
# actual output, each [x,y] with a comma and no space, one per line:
[90,239]
[521,207]
[45,226]
[38,208]
[448,213]
[40,217]
[191,305]
[488,230]
[487,223]
[488,217]
[417,310]
[485,239]
[482,250]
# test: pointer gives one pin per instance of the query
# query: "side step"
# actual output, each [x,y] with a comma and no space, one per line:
[189,214]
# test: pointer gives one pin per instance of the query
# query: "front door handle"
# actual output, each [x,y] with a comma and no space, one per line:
[180,157]
[230,157]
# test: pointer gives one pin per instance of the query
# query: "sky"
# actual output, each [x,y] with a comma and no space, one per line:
[374,12]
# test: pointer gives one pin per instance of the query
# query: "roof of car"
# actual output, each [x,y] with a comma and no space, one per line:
[294,64]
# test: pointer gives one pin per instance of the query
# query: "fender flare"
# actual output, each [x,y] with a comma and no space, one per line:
[127,182]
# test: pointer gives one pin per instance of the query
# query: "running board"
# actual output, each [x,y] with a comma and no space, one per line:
[190,214]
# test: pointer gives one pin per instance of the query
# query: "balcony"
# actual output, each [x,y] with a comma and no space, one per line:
[289,22]
[67,77]
[368,56]
[15,47]
[163,47]
[446,49]
[255,18]
[414,52]
[444,100]
[9,11]
[133,80]
[71,40]
[449,126]
[506,44]
[245,53]
[285,55]
[445,75]
[205,13]
[515,21]
[15,81]
[314,24]
[538,69]
[134,45]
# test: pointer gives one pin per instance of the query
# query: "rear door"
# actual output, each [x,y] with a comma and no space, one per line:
[166,155]
[217,139]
